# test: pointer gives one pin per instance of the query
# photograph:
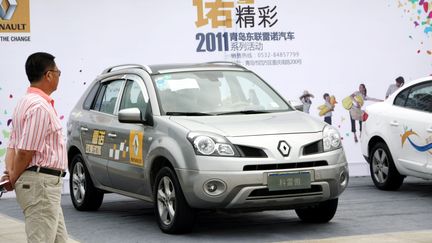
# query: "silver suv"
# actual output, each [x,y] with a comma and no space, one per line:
[201,136]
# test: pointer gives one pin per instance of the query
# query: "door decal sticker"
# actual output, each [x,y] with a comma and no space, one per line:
[136,145]
[98,140]
[420,148]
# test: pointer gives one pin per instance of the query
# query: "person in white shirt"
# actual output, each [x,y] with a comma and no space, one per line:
[306,100]
[393,87]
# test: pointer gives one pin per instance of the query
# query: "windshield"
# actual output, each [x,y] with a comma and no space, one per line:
[216,93]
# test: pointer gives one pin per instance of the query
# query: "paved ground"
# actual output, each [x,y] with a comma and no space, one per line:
[365,214]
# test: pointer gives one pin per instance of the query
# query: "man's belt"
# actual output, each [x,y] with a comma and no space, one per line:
[48,171]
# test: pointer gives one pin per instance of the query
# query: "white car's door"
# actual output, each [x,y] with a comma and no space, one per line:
[410,121]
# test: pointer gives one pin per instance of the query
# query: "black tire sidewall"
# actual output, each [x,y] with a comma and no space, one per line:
[93,197]
[184,217]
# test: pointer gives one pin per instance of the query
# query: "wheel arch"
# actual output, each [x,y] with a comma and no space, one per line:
[157,164]
[71,154]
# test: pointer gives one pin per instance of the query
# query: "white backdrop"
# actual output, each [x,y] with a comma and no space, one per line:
[337,45]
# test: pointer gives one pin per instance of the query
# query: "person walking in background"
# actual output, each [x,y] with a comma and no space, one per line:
[393,87]
[36,156]
[358,98]
[306,100]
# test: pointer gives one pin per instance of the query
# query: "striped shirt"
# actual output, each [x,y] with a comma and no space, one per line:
[36,127]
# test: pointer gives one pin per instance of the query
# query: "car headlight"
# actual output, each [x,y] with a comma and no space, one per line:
[331,139]
[211,145]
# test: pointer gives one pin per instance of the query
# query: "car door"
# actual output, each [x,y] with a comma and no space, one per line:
[96,129]
[411,126]
[126,161]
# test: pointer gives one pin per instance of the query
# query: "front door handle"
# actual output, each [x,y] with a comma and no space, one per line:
[84,129]
[394,123]
[112,135]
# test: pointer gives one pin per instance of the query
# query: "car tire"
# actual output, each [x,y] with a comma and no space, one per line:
[174,216]
[320,213]
[383,170]
[85,196]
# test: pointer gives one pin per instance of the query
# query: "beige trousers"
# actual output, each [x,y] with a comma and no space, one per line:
[39,196]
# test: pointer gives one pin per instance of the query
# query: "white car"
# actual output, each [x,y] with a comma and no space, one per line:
[397,135]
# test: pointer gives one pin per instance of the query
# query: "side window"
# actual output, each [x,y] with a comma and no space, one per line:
[420,97]
[107,96]
[402,98]
[91,96]
[133,97]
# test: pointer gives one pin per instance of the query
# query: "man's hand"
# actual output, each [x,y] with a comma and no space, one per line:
[5,178]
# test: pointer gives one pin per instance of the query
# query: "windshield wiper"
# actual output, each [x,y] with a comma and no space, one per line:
[179,113]
[243,112]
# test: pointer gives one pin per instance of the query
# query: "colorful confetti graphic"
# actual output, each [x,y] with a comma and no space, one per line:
[419,13]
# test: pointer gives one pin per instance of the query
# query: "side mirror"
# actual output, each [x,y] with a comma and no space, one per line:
[130,115]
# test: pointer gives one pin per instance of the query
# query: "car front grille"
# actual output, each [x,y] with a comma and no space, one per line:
[251,152]
[266,194]
[313,148]
[285,165]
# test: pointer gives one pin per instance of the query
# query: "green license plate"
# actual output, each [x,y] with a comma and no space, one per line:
[288,181]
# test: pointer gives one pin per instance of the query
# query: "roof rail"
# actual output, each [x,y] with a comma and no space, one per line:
[123,66]
[226,62]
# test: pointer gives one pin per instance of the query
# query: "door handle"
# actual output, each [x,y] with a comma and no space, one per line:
[112,135]
[84,129]
[394,123]
[429,130]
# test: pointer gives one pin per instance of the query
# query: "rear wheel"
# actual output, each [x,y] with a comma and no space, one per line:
[174,216]
[320,213]
[85,196]
[383,171]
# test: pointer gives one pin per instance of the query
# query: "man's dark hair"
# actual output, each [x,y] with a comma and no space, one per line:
[400,80]
[325,95]
[37,64]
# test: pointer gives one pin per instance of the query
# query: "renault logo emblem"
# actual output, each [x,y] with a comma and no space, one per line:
[284,148]
[8,9]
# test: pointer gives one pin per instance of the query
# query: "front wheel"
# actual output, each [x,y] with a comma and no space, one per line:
[383,171]
[84,195]
[320,213]
[174,216]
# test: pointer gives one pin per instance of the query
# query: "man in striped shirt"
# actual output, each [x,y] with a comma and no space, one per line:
[36,157]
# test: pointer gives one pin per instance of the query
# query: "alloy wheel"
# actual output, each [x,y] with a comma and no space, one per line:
[166,200]
[380,165]
[78,183]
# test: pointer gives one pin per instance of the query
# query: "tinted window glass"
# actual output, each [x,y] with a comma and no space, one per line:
[97,104]
[90,97]
[107,96]
[401,98]
[420,97]
[133,97]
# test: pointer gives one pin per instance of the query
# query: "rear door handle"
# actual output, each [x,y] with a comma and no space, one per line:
[84,129]
[112,135]
[394,123]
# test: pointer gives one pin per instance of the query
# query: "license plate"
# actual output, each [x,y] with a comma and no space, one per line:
[288,181]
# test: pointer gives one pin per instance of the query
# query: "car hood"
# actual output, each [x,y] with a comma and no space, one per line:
[254,124]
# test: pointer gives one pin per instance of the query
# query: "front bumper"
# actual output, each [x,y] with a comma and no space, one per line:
[248,189]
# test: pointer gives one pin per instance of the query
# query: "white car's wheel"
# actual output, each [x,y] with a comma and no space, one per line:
[173,213]
[383,171]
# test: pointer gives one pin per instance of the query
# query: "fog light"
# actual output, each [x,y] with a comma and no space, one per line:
[214,187]
[211,187]
[343,178]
